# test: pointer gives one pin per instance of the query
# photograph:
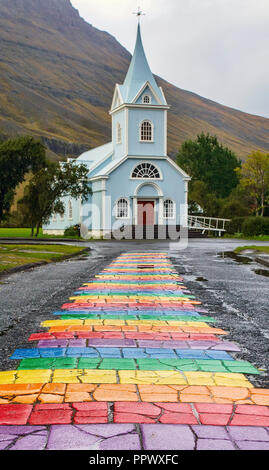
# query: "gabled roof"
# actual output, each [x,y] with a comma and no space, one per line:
[139,74]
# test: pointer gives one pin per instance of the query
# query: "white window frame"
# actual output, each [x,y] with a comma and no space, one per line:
[70,210]
[118,133]
[126,215]
[143,177]
[173,207]
[145,141]
[146,96]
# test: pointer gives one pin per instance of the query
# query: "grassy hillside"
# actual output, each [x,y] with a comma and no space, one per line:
[57,76]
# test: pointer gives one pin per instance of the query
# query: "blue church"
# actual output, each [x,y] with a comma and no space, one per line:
[134,183]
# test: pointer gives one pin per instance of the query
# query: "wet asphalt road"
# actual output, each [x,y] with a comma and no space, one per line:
[231,291]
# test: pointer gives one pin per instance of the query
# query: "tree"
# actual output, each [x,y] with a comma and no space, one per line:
[206,160]
[43,195]
[254,177]
[17,158]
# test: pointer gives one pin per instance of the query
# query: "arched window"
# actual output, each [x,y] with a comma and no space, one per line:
[70,210]
[146,99]
[122,209]
[146,131]
[118,133]
[168,209]
[145,170]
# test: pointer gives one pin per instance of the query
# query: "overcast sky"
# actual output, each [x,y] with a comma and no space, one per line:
[218,49]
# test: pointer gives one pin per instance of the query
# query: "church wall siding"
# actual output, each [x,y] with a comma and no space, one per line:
[136,117]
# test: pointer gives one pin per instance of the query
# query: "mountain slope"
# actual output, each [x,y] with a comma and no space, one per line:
[57,76]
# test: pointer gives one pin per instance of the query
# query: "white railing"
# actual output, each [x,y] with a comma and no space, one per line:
[207,223]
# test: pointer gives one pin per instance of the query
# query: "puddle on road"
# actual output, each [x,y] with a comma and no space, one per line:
[262,272]
[235,257]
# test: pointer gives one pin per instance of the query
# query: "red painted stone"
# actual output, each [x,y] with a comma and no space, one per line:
[213,408]
[15,414]
[214,419]
[178,418]
[252,410]
[249,420]
[51,414]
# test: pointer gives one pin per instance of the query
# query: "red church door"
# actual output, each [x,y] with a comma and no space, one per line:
[145,211]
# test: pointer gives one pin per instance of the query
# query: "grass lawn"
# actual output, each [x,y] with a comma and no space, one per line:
[259,238]
[262,249]
[12,256]
[25,233]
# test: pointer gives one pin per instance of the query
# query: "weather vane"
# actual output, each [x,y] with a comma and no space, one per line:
[139,13]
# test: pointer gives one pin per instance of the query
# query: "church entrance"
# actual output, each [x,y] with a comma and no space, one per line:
[145,212]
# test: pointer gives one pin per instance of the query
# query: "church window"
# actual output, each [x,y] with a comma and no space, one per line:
[145,170]
[146,131]
[118,133]
[168,209]
[122,209]
[70,210]
[146,99]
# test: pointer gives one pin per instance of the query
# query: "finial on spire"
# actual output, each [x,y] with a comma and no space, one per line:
[139,13]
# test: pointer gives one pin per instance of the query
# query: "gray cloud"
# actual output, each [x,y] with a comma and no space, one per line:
[215,48]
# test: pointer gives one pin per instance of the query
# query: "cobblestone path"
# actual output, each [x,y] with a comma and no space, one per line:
[132,362]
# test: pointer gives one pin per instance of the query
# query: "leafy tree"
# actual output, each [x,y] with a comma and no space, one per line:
[43,195]
[254,177]
[206,160]
[17,158]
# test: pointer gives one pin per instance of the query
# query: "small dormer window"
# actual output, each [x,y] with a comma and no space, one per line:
[146,99]
[118,133]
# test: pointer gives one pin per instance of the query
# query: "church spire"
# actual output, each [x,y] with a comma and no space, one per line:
[139,73]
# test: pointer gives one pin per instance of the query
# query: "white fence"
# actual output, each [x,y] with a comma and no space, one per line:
[207,224]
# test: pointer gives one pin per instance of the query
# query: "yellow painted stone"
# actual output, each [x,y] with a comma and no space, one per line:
[99,376]
[8,377]
[33,376]
[67,375]
[232,380]
[74,321]
[199,378]
[151,377]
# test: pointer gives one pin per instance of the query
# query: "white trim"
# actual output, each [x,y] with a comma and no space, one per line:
[146,179]
[151,183]
[152,132]
[144,97]
[118,133]
[116,208]
[142,89]
[182,172]
[126,130]
[137,105]
[174,209]
[117,94]
[165,132]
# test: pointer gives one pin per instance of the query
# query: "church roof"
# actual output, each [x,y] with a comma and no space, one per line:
[139,74]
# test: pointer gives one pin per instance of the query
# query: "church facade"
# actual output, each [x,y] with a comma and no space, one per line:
[133,181]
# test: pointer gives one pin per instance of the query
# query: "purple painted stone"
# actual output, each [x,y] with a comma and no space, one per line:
[18,430]
[52,343]
[126,442]
[248,433]
[226,346]
[107,343]
[68,437]
[77,343]
[167,437]
[214,444]
[143,343]
[30,442]
[252,445]
[105,430]
[210,432]
[5,444]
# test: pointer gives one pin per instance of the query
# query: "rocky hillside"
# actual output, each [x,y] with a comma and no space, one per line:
[57,76]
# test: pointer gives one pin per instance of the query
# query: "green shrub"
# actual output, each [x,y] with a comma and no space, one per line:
[72,231]
[253,226]
[235,225]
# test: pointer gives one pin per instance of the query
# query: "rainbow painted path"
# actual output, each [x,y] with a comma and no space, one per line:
[132,362]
